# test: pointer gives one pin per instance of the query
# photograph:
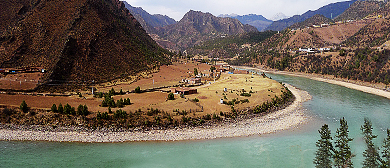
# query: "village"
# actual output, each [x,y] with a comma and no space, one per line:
[198,89]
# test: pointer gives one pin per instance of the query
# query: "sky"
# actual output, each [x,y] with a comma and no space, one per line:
[176,9]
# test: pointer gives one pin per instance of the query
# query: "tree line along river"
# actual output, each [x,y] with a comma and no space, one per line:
[291,148]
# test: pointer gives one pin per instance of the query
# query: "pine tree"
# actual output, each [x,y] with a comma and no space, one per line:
[386,151]
[80,109]
[372,158]
[54,108]
[85,110]
[60,108]
[24,107]
[343,155]
[112,92]
[67,109]
[324,154]
[137,89]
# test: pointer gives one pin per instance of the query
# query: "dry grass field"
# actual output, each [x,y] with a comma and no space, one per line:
[209,95]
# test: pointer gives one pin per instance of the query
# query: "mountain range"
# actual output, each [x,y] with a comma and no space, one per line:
[148,21]
[197,27]
[330,11]
[279,16]
[258,21]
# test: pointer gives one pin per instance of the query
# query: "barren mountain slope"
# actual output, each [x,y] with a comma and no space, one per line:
[78,40]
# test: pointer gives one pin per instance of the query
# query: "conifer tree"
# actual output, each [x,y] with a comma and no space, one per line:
[372,158]
[324,154]
[85,110]
[386,151]
[24,107]
[343,155]
[54,108]
[60,108]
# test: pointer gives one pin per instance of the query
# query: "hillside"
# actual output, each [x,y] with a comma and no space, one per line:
[197,27]
[258,21]
[148,21]
[330,11]
[374,34]
[315,20]
[331,35]
[359,10]
[229,47]
[76,41]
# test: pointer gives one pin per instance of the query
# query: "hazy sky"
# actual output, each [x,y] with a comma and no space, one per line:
[268,8]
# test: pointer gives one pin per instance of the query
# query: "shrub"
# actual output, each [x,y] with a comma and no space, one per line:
[195,100]
[216,116]
[207,117]
[171,96]
[24,107]
[153,112]
[8,111]
[246,94]
[244,101]
[184,119]
[137,89]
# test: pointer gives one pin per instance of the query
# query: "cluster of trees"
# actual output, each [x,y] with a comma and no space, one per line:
[340,154]
[118,114]
[275,102]
[235,101]
[67,109]
[110,102]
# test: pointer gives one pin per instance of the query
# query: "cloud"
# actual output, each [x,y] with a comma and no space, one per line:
[177,8]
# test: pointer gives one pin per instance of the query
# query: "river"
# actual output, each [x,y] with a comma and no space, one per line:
[291,148]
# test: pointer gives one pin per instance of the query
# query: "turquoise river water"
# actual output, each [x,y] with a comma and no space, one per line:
[292,148]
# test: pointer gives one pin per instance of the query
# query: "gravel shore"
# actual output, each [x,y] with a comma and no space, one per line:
[289,117]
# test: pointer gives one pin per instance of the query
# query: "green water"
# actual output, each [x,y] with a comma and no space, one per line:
[293,148]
